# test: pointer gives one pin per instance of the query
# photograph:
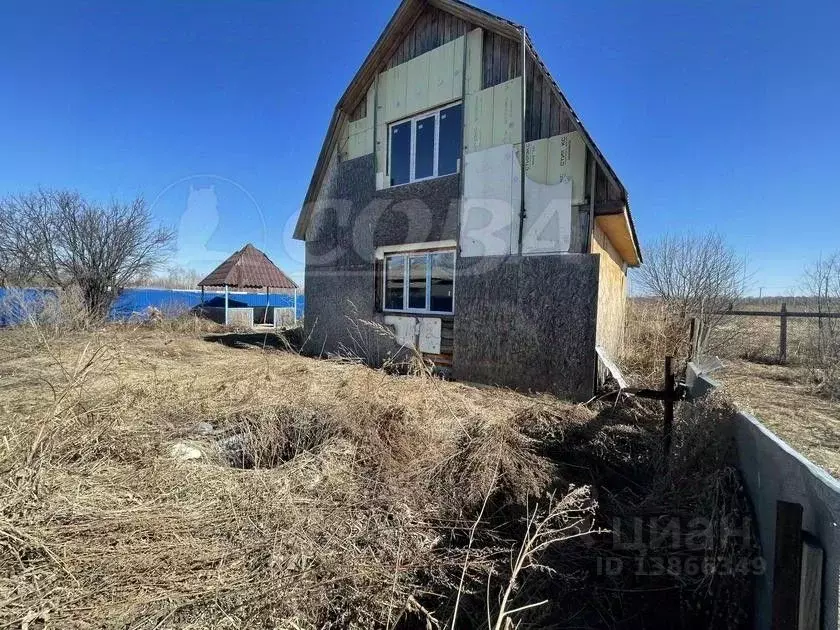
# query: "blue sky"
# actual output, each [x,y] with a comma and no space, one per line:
[716,115]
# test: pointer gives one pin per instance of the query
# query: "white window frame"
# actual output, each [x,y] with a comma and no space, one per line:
[413,148]
[427,253]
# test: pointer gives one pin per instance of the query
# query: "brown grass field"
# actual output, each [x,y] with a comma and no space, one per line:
[783,398]
[787,398]
[150,478]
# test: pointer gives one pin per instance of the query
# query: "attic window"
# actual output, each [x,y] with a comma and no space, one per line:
[425,146]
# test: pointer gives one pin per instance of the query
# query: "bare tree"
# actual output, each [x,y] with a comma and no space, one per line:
[822,281]
[61,239]
[695,276]
[176,277]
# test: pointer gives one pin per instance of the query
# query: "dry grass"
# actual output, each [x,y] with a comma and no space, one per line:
[789,399]
[324,494]
[651,334]
[783,397]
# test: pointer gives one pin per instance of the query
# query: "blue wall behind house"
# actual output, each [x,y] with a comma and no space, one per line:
[136,302]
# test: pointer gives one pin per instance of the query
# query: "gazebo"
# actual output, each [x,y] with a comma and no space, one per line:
[249,268]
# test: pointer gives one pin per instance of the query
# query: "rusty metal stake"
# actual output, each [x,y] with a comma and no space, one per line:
[669,395]
[668,402]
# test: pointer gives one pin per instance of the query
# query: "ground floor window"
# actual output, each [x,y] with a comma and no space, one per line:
[420,281]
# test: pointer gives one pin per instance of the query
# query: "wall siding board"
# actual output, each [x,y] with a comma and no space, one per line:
[545,111]
[554,117]
[432,28]
[535,99]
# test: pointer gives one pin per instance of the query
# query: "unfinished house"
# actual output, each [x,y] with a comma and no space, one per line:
[459,202]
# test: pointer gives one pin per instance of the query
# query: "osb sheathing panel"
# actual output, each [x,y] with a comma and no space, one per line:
[341,245]
[612,294]
[345,233]
[617,229]
[527,322]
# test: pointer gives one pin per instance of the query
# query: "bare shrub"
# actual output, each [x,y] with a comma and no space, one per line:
[60,239]
[823,283]
[695,276]
[652,332]
[40,315]
[176,277]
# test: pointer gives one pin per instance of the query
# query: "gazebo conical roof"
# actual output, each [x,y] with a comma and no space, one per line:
[248,268]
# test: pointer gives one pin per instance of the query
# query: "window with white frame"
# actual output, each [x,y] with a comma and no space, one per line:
[420,281]
[427,145]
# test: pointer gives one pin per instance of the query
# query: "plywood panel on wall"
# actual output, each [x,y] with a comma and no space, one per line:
[617,229]
[612,294]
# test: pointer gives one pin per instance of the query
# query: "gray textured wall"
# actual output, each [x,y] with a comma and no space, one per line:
[527,322]
[524,322]
[351,222]
[773,471]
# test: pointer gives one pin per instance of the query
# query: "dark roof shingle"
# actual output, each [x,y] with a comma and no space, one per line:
[249,268]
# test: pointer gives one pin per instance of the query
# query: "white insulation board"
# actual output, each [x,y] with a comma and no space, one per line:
[487,212]
[490,213]
[430,335]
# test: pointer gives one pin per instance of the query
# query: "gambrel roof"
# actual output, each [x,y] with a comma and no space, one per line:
[389,41]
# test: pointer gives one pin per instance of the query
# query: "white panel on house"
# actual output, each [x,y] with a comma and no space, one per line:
[548,217]
[405,329]
[430,335]
[486,213]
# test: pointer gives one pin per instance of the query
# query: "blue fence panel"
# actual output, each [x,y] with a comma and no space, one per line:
[172,301]
[136,302]
[17,304]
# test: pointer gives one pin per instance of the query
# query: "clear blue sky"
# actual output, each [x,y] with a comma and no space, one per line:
[721,115]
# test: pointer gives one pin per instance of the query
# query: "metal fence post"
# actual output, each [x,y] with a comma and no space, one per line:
[783,334]
[668,403]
